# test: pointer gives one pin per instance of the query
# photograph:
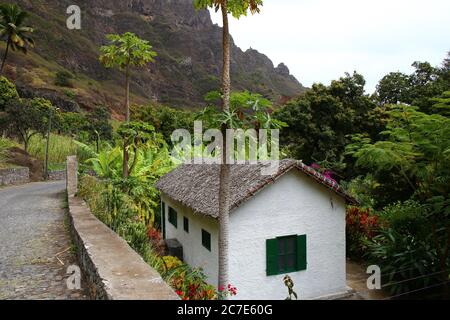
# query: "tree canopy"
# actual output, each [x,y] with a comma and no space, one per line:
[237,8]
[126,50]
[12,20]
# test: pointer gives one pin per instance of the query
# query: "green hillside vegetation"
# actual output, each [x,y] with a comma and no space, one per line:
[185,72]
[390,150]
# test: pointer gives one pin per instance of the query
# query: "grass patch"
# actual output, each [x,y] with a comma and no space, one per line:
[59,149]
[5,145]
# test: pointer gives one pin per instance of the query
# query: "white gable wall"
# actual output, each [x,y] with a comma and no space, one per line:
[194,253]
[294,205]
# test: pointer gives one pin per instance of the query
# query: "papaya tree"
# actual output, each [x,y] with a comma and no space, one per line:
[237,8]
[126,51]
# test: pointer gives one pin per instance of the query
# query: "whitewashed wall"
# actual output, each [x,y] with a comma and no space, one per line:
[294,205]
[194,253]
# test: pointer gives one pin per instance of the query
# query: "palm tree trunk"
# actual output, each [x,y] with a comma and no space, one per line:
[224,187]
[126,154]
[8,43]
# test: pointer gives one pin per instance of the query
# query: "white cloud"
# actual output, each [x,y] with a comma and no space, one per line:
[320,40]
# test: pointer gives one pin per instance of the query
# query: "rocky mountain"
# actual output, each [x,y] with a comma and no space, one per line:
[187,67]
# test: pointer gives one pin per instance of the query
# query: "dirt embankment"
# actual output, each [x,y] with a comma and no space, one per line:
[19,157]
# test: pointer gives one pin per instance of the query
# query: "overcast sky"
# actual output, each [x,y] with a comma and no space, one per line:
[320,40]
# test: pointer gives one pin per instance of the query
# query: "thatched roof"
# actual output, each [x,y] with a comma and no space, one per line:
[197,186]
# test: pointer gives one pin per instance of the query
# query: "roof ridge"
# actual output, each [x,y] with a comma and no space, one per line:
[196,185]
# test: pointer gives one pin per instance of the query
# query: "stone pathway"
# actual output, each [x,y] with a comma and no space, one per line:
[35,247]
[357,280]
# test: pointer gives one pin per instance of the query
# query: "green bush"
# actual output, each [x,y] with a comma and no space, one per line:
[63,79]
[407,263]
[8,92]
[405,249]
[108,201]
[409,217]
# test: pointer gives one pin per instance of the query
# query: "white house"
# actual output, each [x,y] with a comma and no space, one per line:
[291,223]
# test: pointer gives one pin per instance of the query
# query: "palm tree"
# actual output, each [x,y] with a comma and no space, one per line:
[12,29]
[237,8]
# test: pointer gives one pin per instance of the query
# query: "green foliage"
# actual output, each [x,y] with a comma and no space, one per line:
[418,89]
[362,188]
[122,204]
[12,19]
[150,162]
[126,50]
[72,123]
[136,132]
[320,121]
[64,79]
[408,217]
[60,148]
[407,262]
[8,92]
[394,88]
[94,126]
[237,8]
[410,171]
[416,146]
[106,164]
[25,118]
[442,104]
[247,110]
[165,119]
[408,246]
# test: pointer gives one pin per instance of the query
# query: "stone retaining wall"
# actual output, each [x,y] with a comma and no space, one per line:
[14,176]
[57,175]
[113,270]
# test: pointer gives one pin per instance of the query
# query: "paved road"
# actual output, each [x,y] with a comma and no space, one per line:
[35,248]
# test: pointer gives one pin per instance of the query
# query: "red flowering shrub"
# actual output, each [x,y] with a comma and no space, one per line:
[229,291]
[361,226]
[190,284]
[154,235]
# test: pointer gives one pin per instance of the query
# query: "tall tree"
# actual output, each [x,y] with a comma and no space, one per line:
[394,88]
[125,51]
[417,89]
[25,118]
[320,121]
[13,31]
[237,8]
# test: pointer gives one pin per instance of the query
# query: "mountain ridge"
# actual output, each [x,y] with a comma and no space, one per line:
[187,67]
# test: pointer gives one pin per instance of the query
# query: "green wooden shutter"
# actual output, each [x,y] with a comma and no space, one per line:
[302,260]
[272,257]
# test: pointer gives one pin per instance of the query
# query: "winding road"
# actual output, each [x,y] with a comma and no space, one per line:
[35,247]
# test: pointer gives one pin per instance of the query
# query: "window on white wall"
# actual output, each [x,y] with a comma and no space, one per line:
[186,224]
[206,239]
[173,217]
[286,255]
